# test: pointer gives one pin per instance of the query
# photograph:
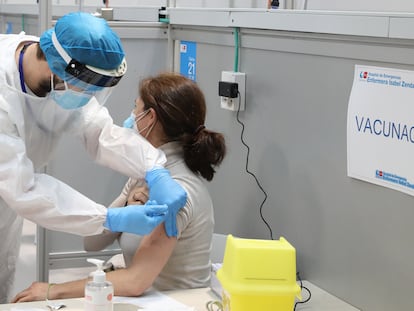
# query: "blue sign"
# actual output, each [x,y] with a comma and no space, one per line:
[188,52]
[9,28]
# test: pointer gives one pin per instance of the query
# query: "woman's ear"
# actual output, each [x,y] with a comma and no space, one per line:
[153,114]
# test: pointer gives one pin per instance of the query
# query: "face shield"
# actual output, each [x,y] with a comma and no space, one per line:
[82,50]
[69,97]
[82,82]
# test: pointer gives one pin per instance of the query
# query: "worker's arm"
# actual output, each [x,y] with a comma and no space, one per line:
[118,148]
[42,198]
[55,205]
[106,238]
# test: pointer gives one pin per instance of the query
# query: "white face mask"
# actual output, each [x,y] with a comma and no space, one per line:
[140,117]
[132,121]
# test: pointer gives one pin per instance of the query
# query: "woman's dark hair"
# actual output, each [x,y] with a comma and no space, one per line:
[181,110]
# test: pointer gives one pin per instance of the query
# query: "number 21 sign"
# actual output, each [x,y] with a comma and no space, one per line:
[188,59]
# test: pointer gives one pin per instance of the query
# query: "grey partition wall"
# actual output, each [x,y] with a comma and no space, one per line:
[145,46]
[353,239]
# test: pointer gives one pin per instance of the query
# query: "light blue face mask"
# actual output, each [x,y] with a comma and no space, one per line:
[129,122]
[70,99]
[132,120]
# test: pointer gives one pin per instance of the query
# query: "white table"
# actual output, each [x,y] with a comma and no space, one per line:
[197,298]
[320,300]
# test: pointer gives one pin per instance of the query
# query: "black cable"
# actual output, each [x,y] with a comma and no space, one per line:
[247,168]
[264,200]
[305,288]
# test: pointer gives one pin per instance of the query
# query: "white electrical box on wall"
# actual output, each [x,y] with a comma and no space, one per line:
[233,103]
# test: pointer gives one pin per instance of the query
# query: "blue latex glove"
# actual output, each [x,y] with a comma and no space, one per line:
[165,190]
[137,219]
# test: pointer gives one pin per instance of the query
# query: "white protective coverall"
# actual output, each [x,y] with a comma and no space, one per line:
[30,128]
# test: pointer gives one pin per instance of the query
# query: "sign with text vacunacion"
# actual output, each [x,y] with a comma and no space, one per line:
[380,127]
[188,54]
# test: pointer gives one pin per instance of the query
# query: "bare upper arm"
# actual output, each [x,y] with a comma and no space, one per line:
[153,253]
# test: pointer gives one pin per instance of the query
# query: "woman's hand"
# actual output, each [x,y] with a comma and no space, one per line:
[36,291]
[138,196]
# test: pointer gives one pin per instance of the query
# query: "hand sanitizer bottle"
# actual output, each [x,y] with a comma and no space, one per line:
[99,291]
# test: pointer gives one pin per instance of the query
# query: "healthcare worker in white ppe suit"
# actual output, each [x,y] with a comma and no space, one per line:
[57,84]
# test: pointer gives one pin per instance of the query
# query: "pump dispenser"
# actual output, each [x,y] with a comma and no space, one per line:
[99,291]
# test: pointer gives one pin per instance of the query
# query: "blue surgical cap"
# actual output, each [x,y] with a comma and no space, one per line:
[85,38]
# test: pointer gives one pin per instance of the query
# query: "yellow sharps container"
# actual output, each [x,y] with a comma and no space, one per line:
[258,275]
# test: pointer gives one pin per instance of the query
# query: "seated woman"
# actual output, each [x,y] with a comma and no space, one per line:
[170,112]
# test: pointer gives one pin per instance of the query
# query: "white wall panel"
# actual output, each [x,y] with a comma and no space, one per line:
[365,5]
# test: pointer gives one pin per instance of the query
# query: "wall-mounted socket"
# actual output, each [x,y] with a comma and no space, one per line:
[233,103]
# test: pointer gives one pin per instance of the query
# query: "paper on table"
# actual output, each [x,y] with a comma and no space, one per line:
[153,300]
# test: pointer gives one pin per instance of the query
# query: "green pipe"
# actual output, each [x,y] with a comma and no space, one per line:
[164,20]
[236,49]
